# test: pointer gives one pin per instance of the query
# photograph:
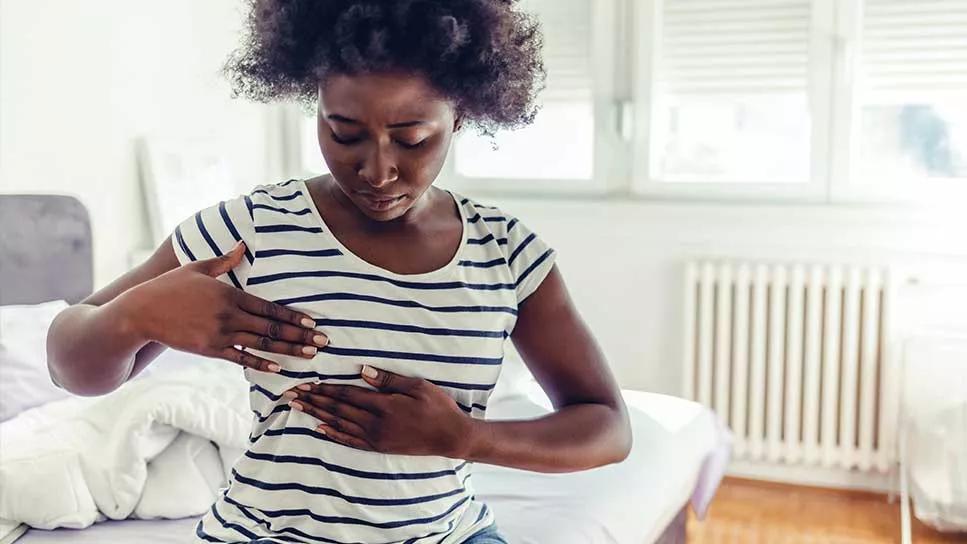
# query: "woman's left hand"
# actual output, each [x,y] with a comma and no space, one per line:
[409,416]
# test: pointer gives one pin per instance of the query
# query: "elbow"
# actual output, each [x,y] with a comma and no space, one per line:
[623,439]
[70,378]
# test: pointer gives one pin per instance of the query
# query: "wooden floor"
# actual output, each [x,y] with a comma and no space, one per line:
[745,511]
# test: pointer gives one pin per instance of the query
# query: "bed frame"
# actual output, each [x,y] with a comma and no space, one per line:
[45,249]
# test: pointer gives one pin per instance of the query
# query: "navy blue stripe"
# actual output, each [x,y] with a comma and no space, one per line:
[309,375]
[245,511]
[469,409]
[512,224]
[231,228]
[277,410]
[379,325]
[238,528]
[483,512]
[534,265]
[289,512]
[271,396]
[302,253]
[318,462]
[287,228]
[286,182]
[278,198]
[329,492]
[443,285]
[214,247]
[513,256]
[248,205]
[205,536]
[464,386]
[292,431]
[487,264]
[398,303]
[486,239]
[494,219]
[407,356]
[183,245]
[303,211]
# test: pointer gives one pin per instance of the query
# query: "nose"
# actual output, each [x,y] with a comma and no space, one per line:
[378,168]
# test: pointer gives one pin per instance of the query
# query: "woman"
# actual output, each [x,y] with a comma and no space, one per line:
[369,309]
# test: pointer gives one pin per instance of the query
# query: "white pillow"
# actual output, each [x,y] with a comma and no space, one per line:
[24,379]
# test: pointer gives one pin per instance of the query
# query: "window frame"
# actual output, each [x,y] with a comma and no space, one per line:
[609,154]
[647,56]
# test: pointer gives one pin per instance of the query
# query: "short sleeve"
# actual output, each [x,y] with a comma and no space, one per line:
[529,257]
[214,231]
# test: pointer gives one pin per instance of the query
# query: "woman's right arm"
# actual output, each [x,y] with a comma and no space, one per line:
[97,345]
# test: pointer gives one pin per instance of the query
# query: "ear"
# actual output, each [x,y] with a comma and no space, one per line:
[457,123]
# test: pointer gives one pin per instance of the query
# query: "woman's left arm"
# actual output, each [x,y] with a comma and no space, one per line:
[590,425]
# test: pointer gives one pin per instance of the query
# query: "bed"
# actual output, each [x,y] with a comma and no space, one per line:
[678,459]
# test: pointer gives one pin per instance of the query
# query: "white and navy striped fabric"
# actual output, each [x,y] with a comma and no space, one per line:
[448,326]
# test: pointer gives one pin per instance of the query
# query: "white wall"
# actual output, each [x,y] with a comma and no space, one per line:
[623,262]
[80,81]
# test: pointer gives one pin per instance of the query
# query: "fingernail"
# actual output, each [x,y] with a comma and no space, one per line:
[274,367]
[308,323]
[320,339]
[289,395]
[295,406]
[304,387]
[369,372]
[321,429]
[309,350]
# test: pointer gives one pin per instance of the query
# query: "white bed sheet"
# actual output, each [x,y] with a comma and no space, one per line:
[679,455]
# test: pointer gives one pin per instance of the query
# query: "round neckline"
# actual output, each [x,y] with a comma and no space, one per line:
[311,204]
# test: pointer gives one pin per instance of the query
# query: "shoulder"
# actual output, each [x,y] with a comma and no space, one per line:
[487,218]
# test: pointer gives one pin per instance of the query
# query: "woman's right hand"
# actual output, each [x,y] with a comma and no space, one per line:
[189,310]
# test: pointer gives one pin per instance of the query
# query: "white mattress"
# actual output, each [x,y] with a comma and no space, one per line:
[679,448]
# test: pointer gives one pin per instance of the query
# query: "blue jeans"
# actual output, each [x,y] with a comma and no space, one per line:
[490,535]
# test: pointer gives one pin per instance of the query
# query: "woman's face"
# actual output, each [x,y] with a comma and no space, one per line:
[385,138]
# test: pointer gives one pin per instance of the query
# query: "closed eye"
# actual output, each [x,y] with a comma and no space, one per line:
[345,141]
[417,145]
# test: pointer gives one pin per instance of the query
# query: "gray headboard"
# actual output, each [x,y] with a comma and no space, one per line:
[45,249]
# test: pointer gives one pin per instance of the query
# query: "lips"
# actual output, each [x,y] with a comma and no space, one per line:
[380,202]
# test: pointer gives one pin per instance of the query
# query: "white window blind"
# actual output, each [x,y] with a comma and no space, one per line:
[731,89]
[915,45]
[717,46]
[560,144]
[910,89]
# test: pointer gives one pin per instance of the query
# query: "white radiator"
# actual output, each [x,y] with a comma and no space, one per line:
[794,358]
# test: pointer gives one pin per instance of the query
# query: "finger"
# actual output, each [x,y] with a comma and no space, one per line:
[345,438]
[217,266]
[370,401]
[327,417]
[266,308]
[264,343]
[342,410]
[278,330]
[387,381]
[248,360]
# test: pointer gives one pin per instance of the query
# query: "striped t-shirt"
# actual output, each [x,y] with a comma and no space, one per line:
[448,326]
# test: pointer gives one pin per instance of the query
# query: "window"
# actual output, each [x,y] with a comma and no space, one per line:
[911,97]
[804,100]
[727,98]
[564,148]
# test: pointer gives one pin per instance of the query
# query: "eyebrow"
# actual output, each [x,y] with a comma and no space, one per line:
[342,119]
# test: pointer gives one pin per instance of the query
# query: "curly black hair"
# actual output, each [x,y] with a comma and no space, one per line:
[484,55]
